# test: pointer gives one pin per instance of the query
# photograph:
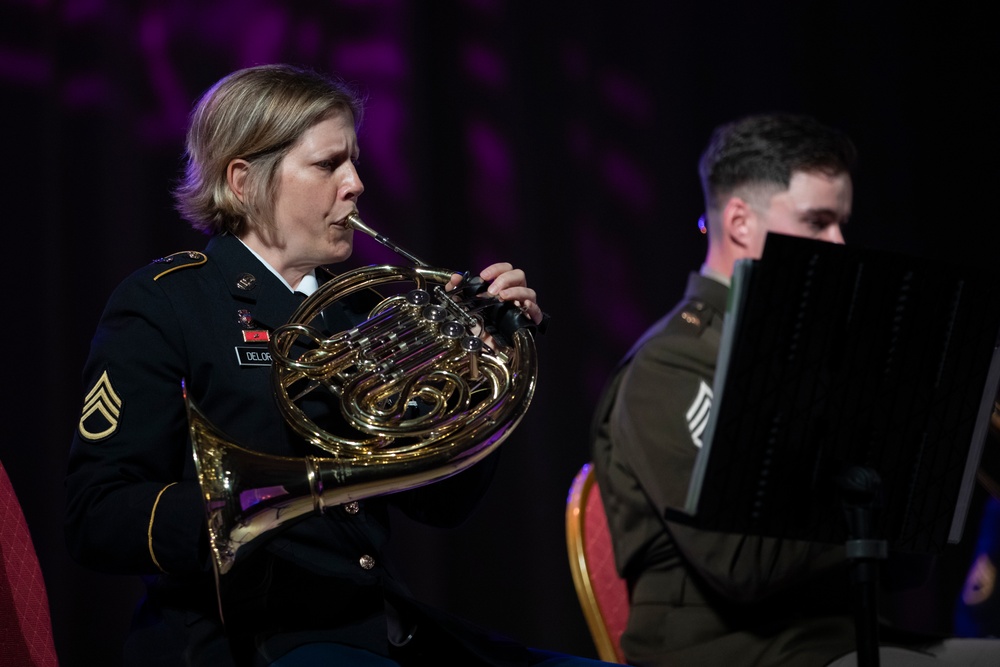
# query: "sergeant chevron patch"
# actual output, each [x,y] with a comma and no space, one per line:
[101,410]
[697,414]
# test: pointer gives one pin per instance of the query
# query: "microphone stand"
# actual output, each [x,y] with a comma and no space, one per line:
[859,487]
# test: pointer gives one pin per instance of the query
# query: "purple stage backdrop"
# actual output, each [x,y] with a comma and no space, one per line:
[559,135]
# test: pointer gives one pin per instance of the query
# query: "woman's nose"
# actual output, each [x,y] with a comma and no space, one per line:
[353,185]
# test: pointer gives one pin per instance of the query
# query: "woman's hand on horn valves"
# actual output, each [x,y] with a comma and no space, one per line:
[508,284]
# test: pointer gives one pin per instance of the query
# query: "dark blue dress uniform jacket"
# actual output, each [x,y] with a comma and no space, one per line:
[134,504]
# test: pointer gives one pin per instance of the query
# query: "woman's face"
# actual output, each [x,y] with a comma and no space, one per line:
[318,186]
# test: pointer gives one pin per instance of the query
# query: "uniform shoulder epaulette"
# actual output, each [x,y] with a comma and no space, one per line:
[180,260]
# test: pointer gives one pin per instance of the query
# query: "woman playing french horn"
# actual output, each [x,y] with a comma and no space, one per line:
[271,177]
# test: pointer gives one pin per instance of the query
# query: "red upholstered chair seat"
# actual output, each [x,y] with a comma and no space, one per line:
[25,623]
[603,594]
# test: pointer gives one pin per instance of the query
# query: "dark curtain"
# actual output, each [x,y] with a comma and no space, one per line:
[561,135]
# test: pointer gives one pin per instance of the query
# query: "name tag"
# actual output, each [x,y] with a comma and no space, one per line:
[253,356]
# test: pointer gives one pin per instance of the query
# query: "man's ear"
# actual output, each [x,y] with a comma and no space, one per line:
[236,176]
[738,220]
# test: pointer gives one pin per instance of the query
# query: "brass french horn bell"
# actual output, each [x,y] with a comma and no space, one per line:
[425,396]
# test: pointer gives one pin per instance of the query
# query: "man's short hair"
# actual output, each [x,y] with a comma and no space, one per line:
[765,150]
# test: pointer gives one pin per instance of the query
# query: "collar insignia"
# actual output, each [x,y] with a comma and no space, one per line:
[246,282]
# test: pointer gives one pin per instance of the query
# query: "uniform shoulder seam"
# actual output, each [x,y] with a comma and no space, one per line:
[180,260]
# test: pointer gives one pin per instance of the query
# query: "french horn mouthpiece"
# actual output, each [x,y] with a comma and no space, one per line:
[354,220]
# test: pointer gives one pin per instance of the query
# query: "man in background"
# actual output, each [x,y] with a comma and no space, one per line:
[705,597]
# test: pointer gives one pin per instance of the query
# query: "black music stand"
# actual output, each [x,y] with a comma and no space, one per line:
[852,398]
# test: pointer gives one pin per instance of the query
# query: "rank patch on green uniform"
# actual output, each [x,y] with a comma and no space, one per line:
[697,413]
[102,409]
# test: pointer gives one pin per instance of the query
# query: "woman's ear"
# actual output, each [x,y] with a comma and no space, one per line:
[236,175]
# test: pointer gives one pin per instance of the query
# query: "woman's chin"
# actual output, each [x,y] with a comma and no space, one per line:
[340,252]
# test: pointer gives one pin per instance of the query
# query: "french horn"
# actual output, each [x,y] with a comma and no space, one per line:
[425,395]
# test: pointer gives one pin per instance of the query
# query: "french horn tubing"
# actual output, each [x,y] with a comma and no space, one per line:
[425,396]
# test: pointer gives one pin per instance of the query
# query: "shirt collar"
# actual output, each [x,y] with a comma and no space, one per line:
[716,276]
[306,286]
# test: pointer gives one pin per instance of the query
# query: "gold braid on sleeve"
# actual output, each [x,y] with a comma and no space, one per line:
[149,532]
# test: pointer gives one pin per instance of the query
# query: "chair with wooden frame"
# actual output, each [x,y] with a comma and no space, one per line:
[603,594]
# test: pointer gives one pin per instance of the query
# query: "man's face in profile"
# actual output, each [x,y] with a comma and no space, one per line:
[816,205]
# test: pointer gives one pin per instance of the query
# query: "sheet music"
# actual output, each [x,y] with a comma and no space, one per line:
[834,356]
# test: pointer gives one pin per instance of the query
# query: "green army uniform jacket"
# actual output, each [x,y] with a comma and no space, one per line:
[700,597]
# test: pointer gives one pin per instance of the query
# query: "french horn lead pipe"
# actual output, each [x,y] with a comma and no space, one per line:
[354,220]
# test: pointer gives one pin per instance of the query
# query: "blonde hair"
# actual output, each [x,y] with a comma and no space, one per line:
[256,114]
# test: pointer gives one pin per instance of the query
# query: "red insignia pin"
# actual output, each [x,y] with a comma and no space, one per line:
[256,336]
